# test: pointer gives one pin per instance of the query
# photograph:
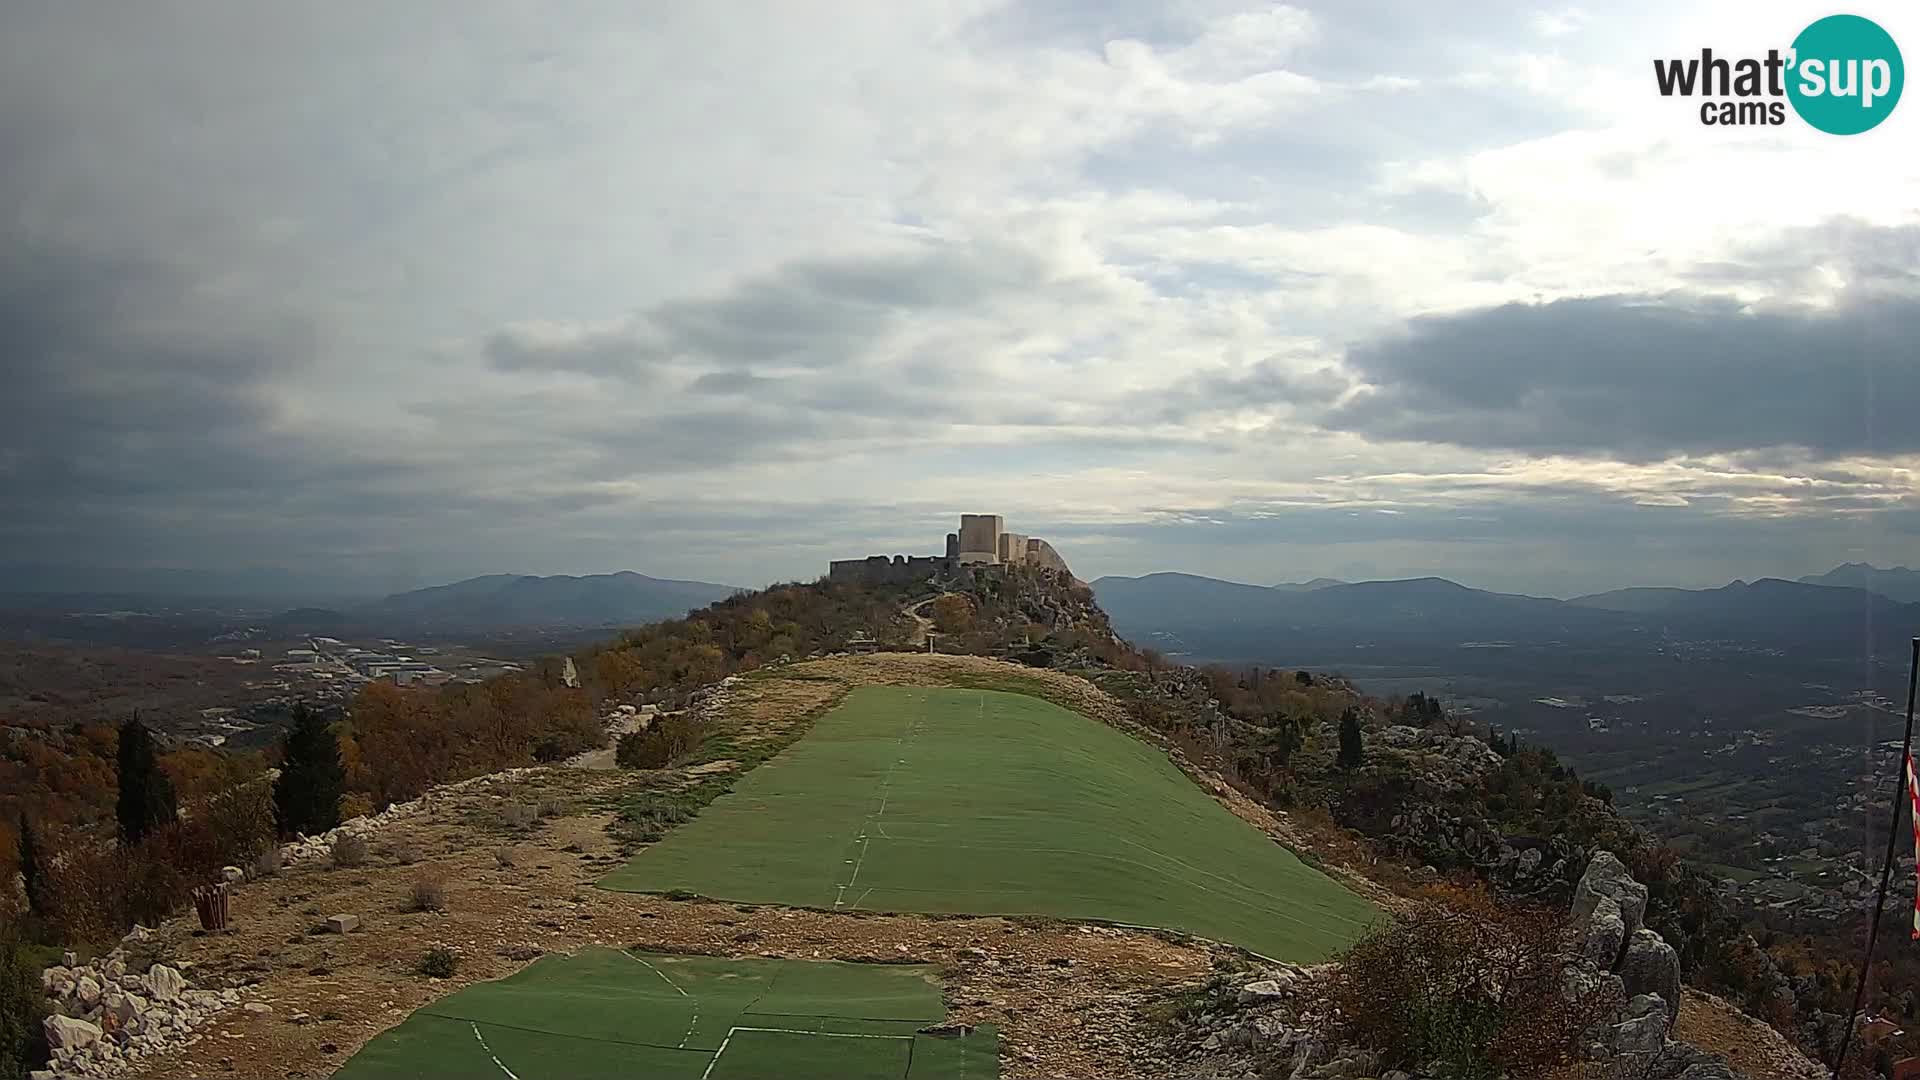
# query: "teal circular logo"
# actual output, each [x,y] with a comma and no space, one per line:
[1846,75]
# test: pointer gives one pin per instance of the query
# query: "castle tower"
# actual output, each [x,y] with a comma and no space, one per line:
[980,537]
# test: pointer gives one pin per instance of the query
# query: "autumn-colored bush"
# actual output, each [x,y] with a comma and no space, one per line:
[667,740]
[355,804]
[399,741]
[95,891]
[1479,993]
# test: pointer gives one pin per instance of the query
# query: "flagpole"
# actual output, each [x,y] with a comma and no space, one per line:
[1900,793]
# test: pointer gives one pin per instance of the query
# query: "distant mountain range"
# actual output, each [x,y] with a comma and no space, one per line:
[503,601]
[1233,621]
[1896,583]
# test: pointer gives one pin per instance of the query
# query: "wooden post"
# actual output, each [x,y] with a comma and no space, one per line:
[214,904]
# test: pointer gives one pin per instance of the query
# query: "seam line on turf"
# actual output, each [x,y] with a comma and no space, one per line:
[483,1045]
[691,1024]
[886,786]
[796,1031]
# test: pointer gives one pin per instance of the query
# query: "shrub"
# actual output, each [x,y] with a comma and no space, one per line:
[504,856]
[406,853]
[267,863]
[1480,993]
[430,891]
[660,745]
[93,892]
[355,804]
[23,1044]
[439,962]
[517,815]
[552,808]
[348,851]
[240,820]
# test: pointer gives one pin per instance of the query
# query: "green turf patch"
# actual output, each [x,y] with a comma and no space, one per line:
[607,1013]
[979,802]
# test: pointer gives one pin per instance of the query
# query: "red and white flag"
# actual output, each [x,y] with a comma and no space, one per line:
[1913,793]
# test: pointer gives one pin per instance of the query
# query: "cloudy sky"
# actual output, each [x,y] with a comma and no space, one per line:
[396,294]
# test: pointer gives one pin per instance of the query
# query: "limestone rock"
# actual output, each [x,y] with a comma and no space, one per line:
[87,991]
[342,924]
[67,1033]
[1255,993]
[1651,966]
[1400,736]
[127,1010]
[232,875]
[164,983]
[1607,876]
[56,981]
[1633,1044]
[1605,933]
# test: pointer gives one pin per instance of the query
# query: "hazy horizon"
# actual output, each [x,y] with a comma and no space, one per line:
[265,583]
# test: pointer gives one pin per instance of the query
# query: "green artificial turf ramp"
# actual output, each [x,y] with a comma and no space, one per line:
[607,1013]
[979,802]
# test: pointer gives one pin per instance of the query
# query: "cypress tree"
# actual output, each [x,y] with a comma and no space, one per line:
[146,795]
[29,860]
[1351,754]
[306,796]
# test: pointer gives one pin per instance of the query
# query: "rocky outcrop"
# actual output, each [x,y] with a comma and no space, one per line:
[1445,838]
[108,1018]
[1607,878]
[1609,910]
[1651,966]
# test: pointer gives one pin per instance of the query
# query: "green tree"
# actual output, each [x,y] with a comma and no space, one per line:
[306,796]
[23,1043]
[29,860]
[1351,752]
[146,795]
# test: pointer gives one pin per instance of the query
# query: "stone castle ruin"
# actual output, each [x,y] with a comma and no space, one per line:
[983,540]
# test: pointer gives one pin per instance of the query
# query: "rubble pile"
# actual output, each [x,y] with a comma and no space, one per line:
[109,1017]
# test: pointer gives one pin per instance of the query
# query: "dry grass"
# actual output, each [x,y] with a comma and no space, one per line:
[348,851]
[429,890]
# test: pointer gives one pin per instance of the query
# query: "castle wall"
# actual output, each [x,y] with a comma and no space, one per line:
[882,570]
[1041,554]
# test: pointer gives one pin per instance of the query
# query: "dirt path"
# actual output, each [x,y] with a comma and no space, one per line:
[922,626]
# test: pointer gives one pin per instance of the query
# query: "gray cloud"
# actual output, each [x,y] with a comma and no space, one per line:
[1648,377]
[611,352]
